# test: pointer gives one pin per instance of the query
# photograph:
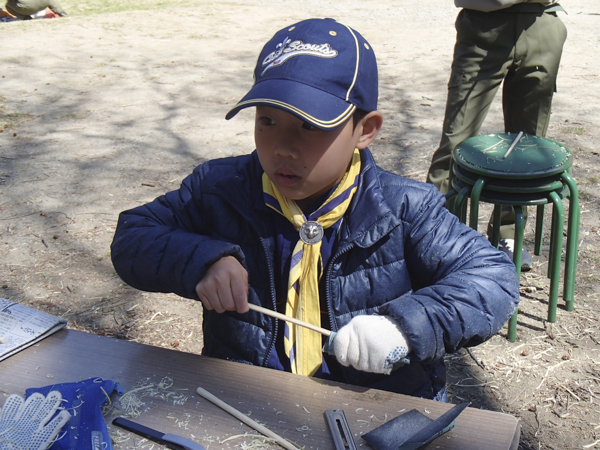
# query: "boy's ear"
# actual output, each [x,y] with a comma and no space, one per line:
[369,129]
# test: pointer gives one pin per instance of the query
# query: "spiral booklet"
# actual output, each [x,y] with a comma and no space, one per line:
[22,326]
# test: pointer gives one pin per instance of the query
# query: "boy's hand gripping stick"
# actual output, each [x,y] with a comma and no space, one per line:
[368,343]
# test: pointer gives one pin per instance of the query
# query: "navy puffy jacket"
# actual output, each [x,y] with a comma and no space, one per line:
[399,253]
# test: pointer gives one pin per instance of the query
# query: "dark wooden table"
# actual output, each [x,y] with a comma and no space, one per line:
[162,384]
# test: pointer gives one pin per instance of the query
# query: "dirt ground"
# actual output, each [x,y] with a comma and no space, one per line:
[102,113]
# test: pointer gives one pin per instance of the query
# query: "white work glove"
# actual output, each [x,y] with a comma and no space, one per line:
[23,424]
[371,344]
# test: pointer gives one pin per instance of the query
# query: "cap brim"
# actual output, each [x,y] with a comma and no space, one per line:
[323,110]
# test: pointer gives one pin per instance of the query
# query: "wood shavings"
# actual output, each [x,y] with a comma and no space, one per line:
[207,439]
[181,423]
[145,444]
[152,318]
[118,436]
[374,418]
[257,441]
[548,371]
[135,390]
[108,406]
[304,407]
[165,383]
[256,444]
[131,402]
[237,436]
[303,428]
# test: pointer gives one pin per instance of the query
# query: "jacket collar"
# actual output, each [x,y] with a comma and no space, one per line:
[369,216]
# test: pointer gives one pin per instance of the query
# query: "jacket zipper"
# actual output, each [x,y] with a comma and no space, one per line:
[332,325]
[271,276]
[273,298]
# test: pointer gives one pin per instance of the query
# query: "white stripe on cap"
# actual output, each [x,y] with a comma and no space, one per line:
[311,119]
[357,62]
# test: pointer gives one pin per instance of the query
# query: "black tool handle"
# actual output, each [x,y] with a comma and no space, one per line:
[171,441]
[136,428]
[340,430]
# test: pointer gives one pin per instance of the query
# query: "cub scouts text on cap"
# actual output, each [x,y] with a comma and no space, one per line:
[319,70]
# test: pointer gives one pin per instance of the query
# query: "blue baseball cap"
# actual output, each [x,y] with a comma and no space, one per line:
[319,70]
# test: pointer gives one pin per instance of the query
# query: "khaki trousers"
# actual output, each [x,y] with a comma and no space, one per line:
[522,52]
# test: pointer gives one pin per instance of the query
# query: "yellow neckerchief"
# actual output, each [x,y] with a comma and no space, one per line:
[303,346]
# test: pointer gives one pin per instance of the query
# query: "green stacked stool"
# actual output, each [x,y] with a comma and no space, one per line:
[519,171]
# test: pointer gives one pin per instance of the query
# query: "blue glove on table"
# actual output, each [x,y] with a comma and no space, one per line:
[83,400]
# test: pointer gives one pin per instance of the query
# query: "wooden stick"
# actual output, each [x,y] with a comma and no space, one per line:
[513,144]
[244,418]
[272,313]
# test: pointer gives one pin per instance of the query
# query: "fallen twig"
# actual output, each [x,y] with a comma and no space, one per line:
[593,444]
[548,371]
[475,359]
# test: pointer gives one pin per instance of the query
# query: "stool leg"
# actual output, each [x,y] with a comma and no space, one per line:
[517,259]
[496,218]
[556,239]
[519,238]
[450,196]
[539,230]
[572,242]
[512,327]
[452,192]
[475,193]
[460,206]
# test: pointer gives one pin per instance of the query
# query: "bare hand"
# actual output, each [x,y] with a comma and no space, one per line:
[224,287]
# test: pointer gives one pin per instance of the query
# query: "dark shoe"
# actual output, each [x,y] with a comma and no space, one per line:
[63,14]
[508,246]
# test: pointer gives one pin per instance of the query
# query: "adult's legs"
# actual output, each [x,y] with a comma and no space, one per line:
[530,84]
[482,55]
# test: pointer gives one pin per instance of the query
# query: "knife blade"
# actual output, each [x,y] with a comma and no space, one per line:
[162,438]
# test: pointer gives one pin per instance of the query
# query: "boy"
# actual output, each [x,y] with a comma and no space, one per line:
[309,226]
